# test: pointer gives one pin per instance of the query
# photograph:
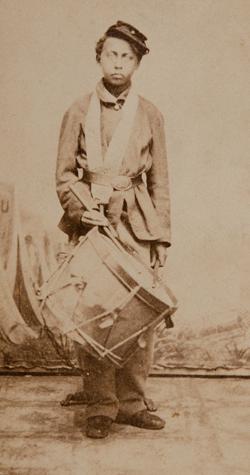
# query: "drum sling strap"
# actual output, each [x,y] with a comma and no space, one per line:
[114,155]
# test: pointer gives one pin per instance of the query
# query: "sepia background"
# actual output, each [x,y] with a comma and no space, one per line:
[197,73]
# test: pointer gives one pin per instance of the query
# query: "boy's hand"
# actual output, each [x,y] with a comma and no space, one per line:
[94,218]
[158,252]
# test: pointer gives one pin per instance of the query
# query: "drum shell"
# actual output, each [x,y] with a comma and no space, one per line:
[98,298]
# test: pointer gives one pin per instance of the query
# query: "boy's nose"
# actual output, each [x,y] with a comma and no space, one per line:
[118,63]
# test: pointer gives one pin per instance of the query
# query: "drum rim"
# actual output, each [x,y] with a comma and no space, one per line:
[123,275]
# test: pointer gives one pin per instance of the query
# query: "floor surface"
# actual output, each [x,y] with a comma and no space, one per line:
[207,430]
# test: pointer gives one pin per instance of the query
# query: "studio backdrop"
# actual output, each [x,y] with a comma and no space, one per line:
[197,74]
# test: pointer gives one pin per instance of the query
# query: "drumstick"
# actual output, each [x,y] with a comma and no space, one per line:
[79,196]
[108,229]
[111,233]
[156,273]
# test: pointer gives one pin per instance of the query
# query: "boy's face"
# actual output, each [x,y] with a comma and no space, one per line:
[118,61]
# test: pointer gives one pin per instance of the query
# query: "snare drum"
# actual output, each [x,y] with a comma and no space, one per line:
[104,298]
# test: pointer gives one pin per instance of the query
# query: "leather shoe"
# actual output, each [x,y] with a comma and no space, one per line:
[142,419]
[98,427]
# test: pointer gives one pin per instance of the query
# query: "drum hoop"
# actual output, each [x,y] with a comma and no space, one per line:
[100,349]
[109,352]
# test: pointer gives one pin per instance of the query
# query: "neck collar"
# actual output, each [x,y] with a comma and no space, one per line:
[106,96]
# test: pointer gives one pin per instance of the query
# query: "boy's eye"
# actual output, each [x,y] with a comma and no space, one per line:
[125,57]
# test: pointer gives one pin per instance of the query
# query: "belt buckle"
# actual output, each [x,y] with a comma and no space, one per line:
[121,183]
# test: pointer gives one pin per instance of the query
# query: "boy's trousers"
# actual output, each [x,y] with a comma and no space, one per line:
[109,389]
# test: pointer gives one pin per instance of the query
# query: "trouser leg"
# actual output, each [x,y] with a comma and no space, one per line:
[99,386]
[131,379]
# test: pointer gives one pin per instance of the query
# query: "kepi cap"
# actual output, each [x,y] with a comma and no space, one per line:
[129,33]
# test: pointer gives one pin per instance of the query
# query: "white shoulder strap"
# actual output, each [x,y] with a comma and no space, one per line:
[117,146]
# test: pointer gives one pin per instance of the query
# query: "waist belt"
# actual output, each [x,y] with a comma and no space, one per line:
[118,182]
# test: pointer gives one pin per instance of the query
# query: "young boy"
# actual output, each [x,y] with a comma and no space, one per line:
[113,139]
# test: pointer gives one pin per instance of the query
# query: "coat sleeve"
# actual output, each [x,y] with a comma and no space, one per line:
[67,171]
[157,177]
